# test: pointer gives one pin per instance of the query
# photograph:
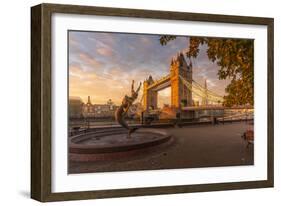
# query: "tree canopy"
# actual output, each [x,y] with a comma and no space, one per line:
[235,58]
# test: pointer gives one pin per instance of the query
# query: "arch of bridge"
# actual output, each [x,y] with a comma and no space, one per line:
[179,91]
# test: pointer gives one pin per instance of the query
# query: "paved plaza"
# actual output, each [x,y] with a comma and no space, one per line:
[192,146]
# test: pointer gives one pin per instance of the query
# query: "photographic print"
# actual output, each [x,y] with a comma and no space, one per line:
[130,102]
[152,101]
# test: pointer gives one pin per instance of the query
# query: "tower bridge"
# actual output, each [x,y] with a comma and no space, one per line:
[183,87]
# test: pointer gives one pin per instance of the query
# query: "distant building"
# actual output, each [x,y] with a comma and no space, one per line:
[88,109]
[99,110]
[111,104]
[75,107]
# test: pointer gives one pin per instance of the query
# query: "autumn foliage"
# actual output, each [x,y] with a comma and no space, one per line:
[235,58]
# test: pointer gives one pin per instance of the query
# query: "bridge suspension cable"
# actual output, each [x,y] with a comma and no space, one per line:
[201,91]
[209,91]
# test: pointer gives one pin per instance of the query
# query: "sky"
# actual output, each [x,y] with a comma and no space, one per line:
[102,65]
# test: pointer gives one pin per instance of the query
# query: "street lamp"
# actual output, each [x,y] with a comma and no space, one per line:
[88,106]
[87,116]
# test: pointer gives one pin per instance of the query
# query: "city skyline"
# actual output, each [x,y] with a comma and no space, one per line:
[102,65]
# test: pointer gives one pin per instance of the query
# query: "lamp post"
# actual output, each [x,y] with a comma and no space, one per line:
[88,116]
[88,106]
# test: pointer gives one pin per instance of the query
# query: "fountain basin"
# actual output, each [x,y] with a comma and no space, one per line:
[110,143]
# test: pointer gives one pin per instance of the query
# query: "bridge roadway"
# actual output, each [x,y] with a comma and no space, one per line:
[160,84]
[215,107]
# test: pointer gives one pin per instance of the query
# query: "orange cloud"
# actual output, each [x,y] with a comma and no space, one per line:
[100,87]
[86,59]
[105,51]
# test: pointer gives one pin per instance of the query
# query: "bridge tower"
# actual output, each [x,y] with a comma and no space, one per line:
[149,95]
[180,94]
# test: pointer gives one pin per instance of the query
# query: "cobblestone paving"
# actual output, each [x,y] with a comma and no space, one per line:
[193,146]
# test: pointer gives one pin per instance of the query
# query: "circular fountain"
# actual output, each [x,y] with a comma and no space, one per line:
[113,143]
